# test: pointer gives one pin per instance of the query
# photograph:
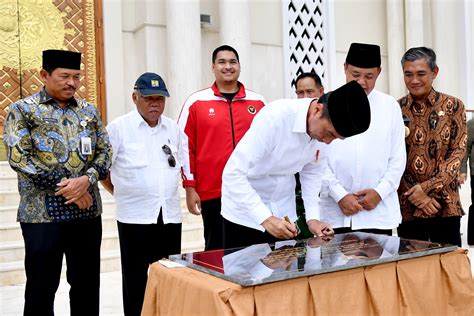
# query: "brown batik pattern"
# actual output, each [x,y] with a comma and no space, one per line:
[435,150]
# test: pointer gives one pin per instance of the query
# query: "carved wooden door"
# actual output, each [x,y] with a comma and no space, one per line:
[27,27]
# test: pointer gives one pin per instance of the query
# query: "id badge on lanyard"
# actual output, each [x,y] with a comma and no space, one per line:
[86,146]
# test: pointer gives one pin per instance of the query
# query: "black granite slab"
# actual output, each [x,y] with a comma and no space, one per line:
[265,263]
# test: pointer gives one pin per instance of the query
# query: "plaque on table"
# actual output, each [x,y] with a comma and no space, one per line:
[265,263]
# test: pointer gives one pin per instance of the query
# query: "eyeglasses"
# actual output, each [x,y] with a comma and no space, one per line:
[171,160]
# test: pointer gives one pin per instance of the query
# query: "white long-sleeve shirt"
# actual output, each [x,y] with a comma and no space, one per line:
[258,179]
[374,159]
[142,178]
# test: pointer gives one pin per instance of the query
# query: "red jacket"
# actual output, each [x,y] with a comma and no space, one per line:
[214,127]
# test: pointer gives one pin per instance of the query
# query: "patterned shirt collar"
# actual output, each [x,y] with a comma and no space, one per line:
[433,96]
[46,98]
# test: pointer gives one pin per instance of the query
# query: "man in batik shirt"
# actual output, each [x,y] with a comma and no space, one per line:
[429,196]
[59,149]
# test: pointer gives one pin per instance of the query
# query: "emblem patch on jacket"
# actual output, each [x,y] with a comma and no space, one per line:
[211,112]
[252,109]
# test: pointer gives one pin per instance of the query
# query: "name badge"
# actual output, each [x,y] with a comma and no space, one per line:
[86,146]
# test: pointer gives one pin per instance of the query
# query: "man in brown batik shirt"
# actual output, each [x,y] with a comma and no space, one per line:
[436,143]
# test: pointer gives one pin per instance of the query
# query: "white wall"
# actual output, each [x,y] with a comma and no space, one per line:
[469,7]
[267,54]
[362,22]
[210,40]
[469,66]
[136,41]
[113,58]
[144,42]
[448,34]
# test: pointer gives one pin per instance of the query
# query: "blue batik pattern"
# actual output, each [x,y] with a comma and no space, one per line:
[44,147]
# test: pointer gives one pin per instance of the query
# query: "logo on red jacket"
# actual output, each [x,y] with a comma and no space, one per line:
[252,109]
[211,112]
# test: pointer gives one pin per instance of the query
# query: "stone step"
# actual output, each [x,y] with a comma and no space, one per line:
[12,231]
[192,233]
[110,241]
[194,246]
[192,236]
[13,272]
[9,197]
[9,201]
[13,250]
[9,183]
[11,241]
[8,220]
[6,170]
[190,218]
[8,213]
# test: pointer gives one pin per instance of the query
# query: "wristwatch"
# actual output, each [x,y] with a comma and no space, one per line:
[91,178]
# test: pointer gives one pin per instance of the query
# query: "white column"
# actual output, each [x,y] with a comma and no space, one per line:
[113,58]
[183,28]
[235,31]
[396,47]
[469,27]
[450,47]
[144,42]
[414,24]
[331,49]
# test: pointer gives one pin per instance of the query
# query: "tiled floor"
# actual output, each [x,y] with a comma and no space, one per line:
[11,301]
[11,297]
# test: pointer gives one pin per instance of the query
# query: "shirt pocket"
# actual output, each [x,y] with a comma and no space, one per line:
[174,152]
[136,156]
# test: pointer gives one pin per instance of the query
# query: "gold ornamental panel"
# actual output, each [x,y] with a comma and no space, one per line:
[27,27]
[33,27]
[9,55]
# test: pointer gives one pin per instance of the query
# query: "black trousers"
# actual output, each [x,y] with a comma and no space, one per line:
[470,220]
[236,235]
[343,230]
[140,246]
[438,229]
[213,225]
[45,245]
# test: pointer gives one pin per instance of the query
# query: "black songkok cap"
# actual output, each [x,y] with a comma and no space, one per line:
[53,58]
[363,55]
[349,109]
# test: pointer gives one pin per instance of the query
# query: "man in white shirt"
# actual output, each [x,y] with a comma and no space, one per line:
[307,85]
[359,191]
[286,137]
[144,179]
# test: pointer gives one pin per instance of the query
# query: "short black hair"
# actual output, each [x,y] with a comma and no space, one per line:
[416,53]
[324,101]
[312,75]
[224,48]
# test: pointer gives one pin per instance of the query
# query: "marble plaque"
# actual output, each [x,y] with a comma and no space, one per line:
[265,263]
